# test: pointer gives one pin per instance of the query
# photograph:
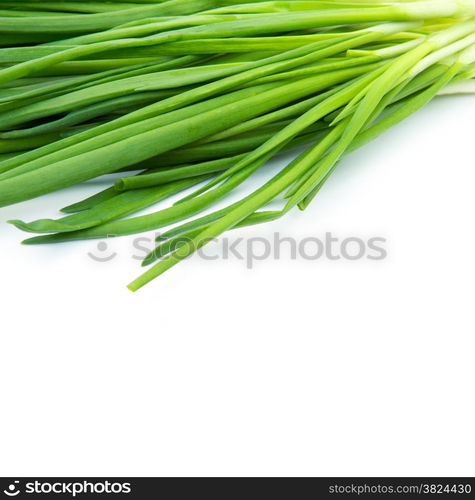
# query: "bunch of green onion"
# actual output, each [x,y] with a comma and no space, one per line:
[173,95]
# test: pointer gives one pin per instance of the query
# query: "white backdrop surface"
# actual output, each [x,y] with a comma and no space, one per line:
[296,367]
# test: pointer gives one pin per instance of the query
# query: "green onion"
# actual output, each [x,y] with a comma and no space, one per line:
[177,94]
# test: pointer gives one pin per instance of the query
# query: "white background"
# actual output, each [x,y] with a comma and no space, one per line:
[294,368]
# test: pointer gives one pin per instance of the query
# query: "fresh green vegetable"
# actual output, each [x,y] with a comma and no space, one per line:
[169,95]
